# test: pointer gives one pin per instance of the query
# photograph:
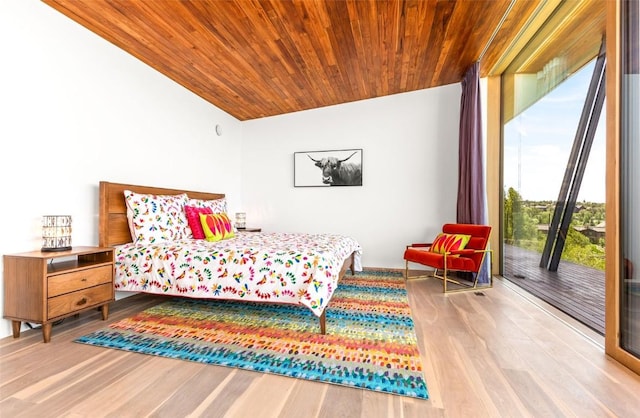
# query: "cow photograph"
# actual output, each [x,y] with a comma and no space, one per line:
[327,168]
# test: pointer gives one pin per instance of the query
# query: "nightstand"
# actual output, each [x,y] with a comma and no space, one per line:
[44,287]
[250,229]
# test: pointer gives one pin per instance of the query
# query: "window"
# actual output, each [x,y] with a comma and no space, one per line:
[553,160]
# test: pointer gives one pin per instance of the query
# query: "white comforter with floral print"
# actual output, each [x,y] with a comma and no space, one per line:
[273,267]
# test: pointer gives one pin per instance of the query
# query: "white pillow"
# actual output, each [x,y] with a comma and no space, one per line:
[216,206]
[156,218]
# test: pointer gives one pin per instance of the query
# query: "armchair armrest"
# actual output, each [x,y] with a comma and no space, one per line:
[420,245]
[462,252]
[466,252]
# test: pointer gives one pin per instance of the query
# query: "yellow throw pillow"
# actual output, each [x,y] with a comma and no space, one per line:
[445,243]
[216,226]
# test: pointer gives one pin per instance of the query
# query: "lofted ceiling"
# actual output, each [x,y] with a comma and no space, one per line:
[254,58]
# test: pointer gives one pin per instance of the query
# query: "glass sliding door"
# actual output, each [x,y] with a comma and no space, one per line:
[553,163]
[630,182]
[622,336]
[536,147]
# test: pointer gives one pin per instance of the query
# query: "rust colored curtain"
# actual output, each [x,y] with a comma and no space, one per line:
[471,190]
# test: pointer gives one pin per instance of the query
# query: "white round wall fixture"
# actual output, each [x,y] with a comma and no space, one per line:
[218,130]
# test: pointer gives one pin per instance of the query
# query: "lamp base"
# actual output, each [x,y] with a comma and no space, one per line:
[50,250]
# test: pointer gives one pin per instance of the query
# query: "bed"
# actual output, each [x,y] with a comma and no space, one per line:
[299,269]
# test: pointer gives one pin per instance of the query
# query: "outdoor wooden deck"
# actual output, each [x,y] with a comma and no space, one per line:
[576,290]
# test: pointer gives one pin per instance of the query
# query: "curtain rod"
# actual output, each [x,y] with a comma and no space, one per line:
[495,32]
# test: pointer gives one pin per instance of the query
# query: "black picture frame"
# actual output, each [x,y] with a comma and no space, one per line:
[328,168]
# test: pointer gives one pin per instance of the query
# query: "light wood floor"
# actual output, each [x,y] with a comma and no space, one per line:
[491,355]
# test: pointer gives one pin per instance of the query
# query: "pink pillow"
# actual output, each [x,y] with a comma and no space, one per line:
[193,218]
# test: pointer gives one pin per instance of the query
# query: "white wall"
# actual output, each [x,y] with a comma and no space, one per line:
[410,160]
[74,110]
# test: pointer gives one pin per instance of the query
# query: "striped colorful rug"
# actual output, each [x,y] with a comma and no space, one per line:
[370,341]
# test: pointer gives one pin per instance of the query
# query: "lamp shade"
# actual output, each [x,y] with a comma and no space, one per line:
[56,232]
[241,220]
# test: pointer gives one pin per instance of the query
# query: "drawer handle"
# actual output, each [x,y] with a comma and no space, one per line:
[81,302]
[84,279]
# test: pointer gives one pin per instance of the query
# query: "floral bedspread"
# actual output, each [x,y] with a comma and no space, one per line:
[272,267]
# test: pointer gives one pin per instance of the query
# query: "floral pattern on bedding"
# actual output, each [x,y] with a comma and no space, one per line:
[273,267]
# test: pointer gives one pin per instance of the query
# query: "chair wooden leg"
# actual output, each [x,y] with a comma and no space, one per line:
[464,287]
[446,280]
[406,272]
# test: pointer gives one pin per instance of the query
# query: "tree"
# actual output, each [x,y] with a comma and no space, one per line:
[514,218]
[578,249]
[522,217]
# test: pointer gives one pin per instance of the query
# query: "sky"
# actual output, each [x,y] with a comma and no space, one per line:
[537,144]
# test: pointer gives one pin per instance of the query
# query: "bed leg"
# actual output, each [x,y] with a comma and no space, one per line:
[323,326]
[353,264]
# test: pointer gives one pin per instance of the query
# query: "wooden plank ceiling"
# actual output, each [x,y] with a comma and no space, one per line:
[254,59]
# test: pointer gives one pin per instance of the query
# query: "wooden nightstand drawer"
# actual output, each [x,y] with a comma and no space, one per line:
[78,280]
[62,305]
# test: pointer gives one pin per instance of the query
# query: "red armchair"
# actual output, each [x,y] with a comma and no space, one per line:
[468,259]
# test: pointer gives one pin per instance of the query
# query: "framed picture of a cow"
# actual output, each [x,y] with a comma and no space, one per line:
[327,168]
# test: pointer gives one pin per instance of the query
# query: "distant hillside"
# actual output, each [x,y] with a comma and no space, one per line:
[526,223]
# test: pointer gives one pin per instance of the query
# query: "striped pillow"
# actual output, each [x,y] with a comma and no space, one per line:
[445,243]
[216,226]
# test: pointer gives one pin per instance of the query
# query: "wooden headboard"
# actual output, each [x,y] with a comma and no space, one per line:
[113,225]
